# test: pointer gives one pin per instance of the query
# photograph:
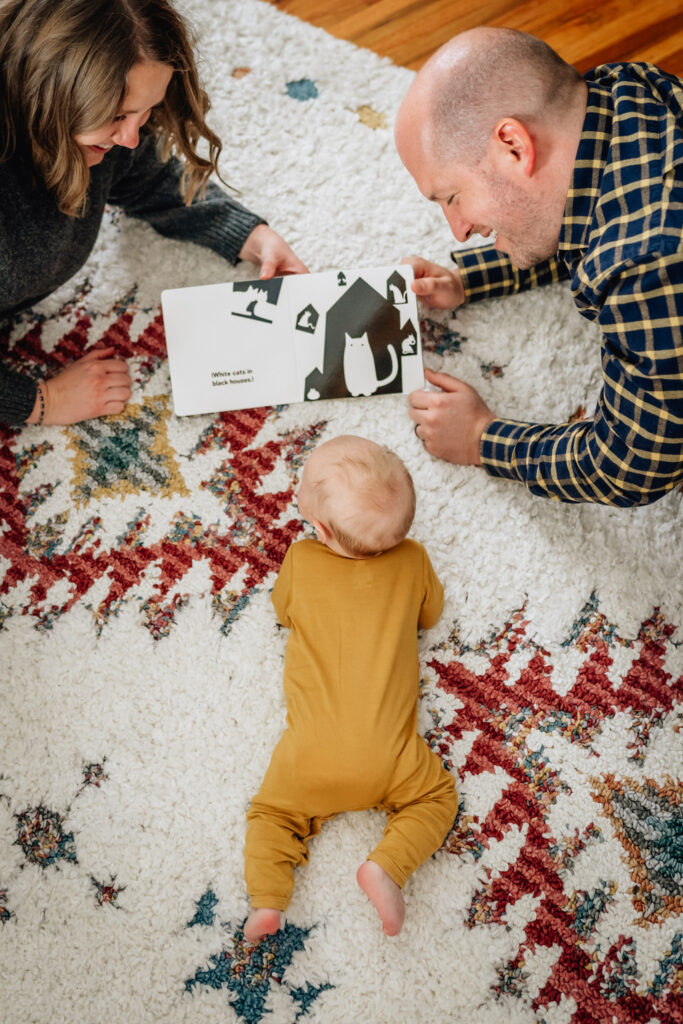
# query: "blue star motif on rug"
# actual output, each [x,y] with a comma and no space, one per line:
[303,89]
[205,914]
[307,996]
[248,971]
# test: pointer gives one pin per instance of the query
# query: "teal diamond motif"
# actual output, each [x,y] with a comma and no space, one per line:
[247,971]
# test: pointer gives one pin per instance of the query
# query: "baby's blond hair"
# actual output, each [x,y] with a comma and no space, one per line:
[366,497]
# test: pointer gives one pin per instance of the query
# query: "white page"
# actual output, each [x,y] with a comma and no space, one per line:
[220,360]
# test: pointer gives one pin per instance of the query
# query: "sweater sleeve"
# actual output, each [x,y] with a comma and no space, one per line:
[144,186]
[17,396]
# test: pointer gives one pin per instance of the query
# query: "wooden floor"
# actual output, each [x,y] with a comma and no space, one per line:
[584,32]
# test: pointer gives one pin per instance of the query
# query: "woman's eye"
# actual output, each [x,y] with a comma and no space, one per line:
[120,117]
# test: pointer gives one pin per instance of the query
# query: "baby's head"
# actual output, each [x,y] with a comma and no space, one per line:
[358,495]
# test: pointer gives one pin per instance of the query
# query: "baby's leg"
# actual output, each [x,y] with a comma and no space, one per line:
[385,895]
[276,842]
[421,809]
[415,831]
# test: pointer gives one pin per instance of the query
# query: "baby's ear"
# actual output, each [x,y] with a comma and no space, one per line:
[321,531]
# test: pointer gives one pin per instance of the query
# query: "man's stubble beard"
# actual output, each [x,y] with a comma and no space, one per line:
[529,244]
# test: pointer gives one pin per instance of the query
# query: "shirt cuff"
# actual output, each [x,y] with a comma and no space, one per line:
[485,273]
[497,447]
[488,274]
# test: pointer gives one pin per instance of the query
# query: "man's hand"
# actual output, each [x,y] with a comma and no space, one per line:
[450,422]
[92,386]
[267,249]
[437,286]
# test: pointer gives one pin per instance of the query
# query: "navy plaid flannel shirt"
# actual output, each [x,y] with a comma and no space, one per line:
[621,246]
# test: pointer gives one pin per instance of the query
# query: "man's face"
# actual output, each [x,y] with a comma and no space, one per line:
[520,220]
[482,201]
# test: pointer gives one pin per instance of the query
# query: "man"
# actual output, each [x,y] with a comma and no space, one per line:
[580,178]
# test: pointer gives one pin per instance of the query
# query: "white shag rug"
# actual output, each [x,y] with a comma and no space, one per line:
[141,663]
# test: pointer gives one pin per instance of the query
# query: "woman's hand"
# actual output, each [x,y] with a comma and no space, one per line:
[437,286]
[267,249]
[92,386]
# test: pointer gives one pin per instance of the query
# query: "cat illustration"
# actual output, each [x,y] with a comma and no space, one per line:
[360,371]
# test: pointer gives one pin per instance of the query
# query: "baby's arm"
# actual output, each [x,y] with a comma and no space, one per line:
[282,590]
[432,602]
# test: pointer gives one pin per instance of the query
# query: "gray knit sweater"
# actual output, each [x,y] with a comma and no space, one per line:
[41,248]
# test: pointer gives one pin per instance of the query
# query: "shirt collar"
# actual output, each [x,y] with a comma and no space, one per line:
[589,165]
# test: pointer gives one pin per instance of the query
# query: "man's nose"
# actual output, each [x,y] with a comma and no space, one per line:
[459,225]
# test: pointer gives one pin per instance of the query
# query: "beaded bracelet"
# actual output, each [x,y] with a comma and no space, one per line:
[41,396]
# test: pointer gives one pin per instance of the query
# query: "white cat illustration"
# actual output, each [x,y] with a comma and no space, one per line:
[360,372]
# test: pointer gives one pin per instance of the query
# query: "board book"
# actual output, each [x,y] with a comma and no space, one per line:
[336,334]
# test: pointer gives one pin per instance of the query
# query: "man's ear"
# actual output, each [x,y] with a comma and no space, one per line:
[513,148]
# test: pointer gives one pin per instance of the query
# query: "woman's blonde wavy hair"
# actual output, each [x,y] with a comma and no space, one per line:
[63,70]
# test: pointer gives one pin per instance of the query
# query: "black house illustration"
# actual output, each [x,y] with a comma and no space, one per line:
[397,289]
[270,289]
[307,319]
[360,310]
[267,292]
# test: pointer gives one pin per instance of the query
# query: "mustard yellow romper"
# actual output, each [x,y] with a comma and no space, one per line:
[351,742]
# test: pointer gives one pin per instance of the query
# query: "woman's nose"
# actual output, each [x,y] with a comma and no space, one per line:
[127,134]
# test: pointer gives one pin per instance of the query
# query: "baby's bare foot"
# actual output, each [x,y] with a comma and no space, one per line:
[260,922]
[385,895]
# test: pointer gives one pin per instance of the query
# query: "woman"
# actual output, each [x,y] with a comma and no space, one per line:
[94,96]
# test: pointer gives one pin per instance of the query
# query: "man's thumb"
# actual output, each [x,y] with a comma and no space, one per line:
[445,381]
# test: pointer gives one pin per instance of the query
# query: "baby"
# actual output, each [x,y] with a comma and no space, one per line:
[354,600]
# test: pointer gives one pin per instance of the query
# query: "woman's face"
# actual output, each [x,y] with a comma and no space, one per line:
[145,87]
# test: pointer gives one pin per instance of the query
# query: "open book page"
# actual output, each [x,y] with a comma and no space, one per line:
[337,334]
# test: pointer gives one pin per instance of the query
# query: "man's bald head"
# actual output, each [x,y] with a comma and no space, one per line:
[478,78]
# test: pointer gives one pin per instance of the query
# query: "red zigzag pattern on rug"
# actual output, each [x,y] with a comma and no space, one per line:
[249,540]
[504,714]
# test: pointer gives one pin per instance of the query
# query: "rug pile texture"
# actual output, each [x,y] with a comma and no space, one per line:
[141,691]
